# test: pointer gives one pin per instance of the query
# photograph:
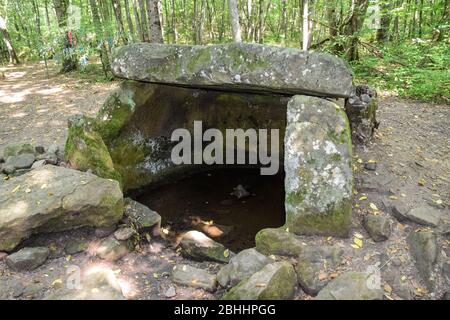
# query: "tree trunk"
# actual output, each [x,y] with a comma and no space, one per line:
[129,20]
[118,14]
[234,18]
[352,26]
[153,9]
[383,31]
[37,17]
[8,42]
[69,58]
[101,43]
[174,23]
[305,28]
[137,20]
[47,16]
[144,19]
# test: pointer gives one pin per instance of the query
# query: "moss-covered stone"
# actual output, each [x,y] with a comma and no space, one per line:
[319,178]
[278,242]
[86,150]
[275,281]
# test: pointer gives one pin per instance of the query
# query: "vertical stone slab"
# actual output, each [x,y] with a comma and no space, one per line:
[319,178]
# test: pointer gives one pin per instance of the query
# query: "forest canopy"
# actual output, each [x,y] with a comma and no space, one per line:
[400,45]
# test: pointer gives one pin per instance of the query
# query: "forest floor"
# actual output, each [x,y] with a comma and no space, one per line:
[411,150]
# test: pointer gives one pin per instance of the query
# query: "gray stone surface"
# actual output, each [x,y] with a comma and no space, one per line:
[378,227]
[236,66]
[278,242]
[241,266]
[351,286]
[198,246]
[142,217]
[112,249]
[424,250]
[317,162]
[425,215]
[194,277]
[275,281]
[27,259]
[53,199]
[22,161]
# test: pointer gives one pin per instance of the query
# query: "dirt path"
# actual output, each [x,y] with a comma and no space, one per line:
[411,150]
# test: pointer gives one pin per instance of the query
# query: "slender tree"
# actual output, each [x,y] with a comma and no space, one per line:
[8,42]
[234,17]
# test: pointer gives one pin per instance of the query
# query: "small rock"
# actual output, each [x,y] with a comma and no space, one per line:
[400,212]
[8,169]
[378,227]
[16,288]
[39,164]
[170,292]
[39,150]
[351,286]
[22,161]
[27,259]
[240,192]
[193,277]
[17,149]
[278,242]
[424,250]
[112,249]
[276,281]
[198,246]
[32,290]
[141,216]
[402,289]
[124,233]
[311,264]
[75,246]
[425,215]
[103,232]
[370,166]
[241,266]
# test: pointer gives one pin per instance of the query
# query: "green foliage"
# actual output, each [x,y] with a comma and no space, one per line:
[414,70]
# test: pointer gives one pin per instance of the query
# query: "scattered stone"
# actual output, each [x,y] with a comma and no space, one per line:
[39,150]
[39,164]
[170,292]
[49,158]
[27,259]
[32,290]
[8,169]
[143,218]
[319,176]
[76,246]
[241,266]
[53,199]
[98,284]
[378,227]
[124,233]
[240,192]
[400,212]
[22,161]
[197,245]
[351,286]
[103,232]
[310,267]
[425,215]
[424,250]
[278,242]
[112,249]
[237,66]
[193,277]
[16,149]
[370,166]
[275,281]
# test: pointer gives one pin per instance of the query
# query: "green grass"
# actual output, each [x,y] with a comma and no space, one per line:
[418,71]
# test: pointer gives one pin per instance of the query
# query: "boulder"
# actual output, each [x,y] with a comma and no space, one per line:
[351,286]
[27,259]
[53,199]
[139,215]
[76,246]
[16,149]
[313,265]
[194,277]
[124,233]
[424,250]
[236,67]
[241,266]
[21,161]
[378,227]
[275,281]
[425,215]
[198,246]
[96,284]
[86,150]
[278,242]
[111,249]
[317,163]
